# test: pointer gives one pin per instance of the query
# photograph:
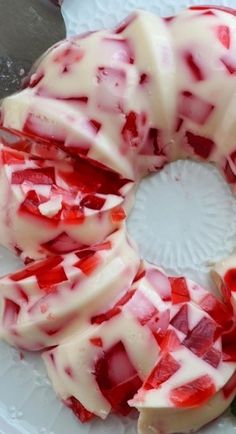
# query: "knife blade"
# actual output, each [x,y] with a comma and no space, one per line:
[27,29]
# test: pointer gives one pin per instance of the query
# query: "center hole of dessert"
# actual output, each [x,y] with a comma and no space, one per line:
[182,217]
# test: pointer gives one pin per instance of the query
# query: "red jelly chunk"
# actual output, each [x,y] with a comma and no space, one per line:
[223,34]
[202,336]
[230,279]
[62,244]
[130,131]
[93,202]
[48,273]
[194,393]
[30,207]
[202,146]
[220,8]
[154,143]
[10,313]
[125,23]
[180,320]
[47,281]
[229,173]
[10,157]
[93,179]
[111,84]
[88,265]
[18,142]
[179,289]
[217,310]
[115,310]
[213,357]
[228,344]
[230,387]
[118,214]
[117,378]
[194,108]
[79,410]
[164,370]
[170,341]
[229,64]
[38,268]
[44,176]
[193,67]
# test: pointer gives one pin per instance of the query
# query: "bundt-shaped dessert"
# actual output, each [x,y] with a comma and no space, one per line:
[98,112]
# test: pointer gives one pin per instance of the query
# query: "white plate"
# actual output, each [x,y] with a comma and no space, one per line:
[183,219]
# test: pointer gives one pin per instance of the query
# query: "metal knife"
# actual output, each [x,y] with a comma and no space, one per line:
[27,29]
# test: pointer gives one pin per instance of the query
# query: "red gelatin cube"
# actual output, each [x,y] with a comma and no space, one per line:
[116,310]
[10,312]
[70,54]
[62,244]
[79,410]
[12,157]
[217,310]
[93,202]
[180,293]
[96,341]
[169,19]
[91,179]
[72,215]
[139,275]
[45,176]
[47,281]
[194,108]
[159,324]
[180,320]
[228,170]
[54,325]
[170,342]
[39,267]
[140,306]
[85,253]
[154,143]
[230,387]
[130,129]
[35,79]
[223,34]
[230,279]
[213,357]
[228,344]
[118,214]
[163,371]
[202,146]
[68,370]
[220,8]
[229,64]
[117,378]
[160,283]
[22,294]
[88,265]
[201,338]
[99,319]
[125,23]
[31,203]
[194,393]
[144,79]
[111,85]
[96,126]
[30,207]
[194,68]
[179,123]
